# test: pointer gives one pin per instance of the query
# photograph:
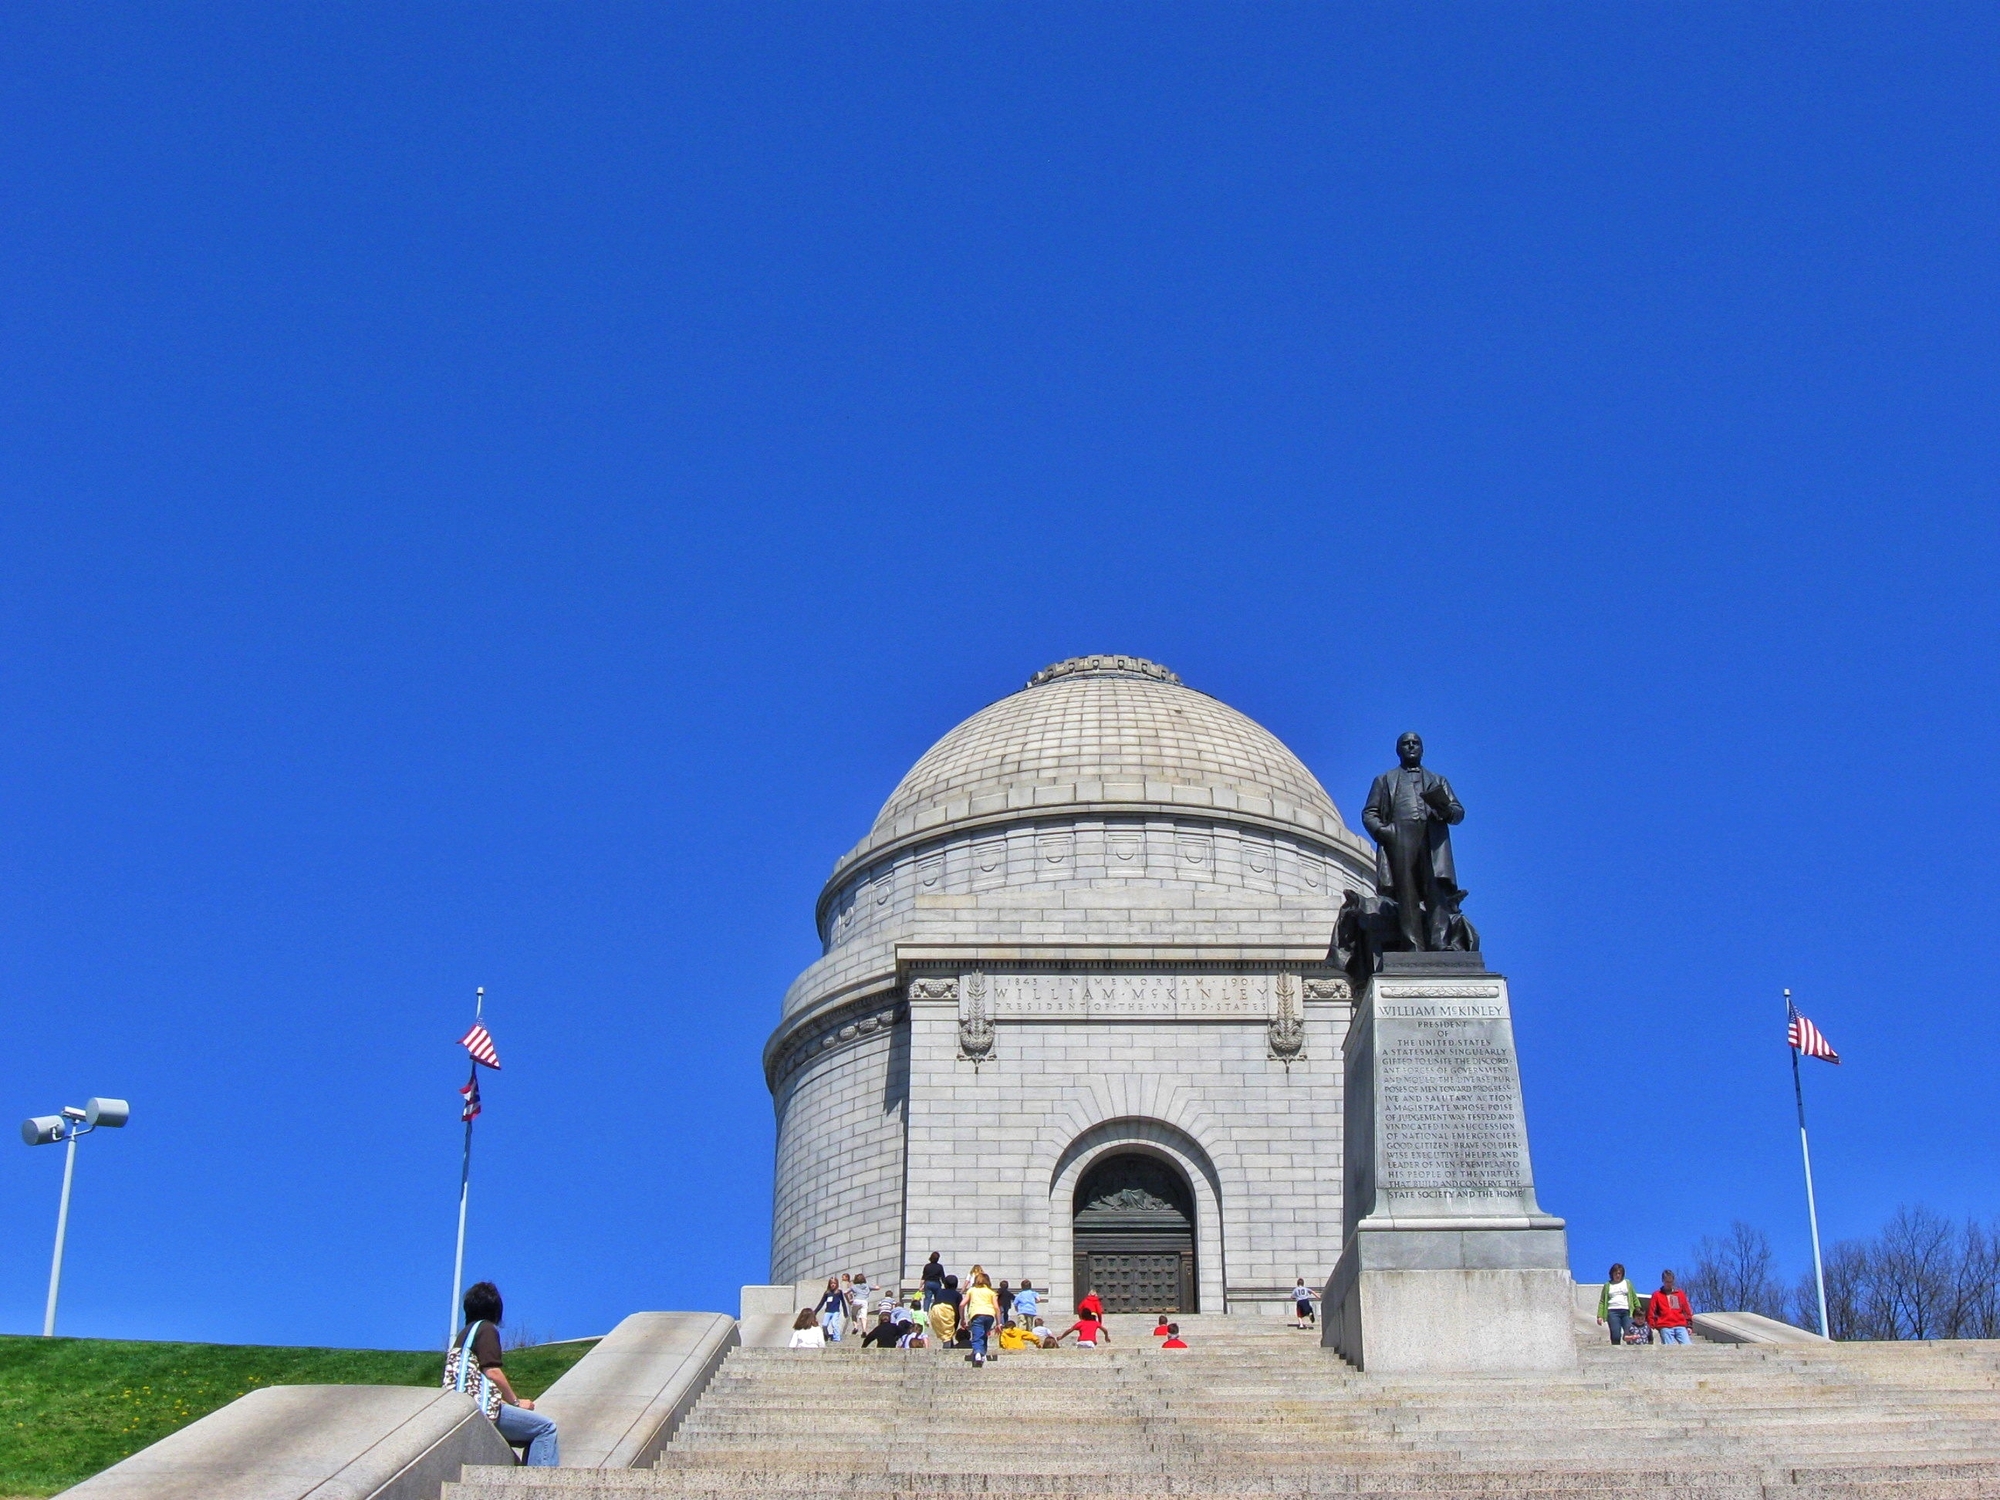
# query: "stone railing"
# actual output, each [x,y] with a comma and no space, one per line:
[614,1409]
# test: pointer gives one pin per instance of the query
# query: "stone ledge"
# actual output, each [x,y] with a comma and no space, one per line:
[1749,1328]
[619,1405]
[312,1442]
[910,955]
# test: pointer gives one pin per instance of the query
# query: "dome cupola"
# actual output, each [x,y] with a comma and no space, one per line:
[1104,736]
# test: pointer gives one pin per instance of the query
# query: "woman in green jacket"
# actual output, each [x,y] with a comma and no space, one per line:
[1618,1304]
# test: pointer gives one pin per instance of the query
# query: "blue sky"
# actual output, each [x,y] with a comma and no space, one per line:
[498,495]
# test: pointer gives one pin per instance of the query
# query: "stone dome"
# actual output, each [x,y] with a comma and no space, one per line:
[1098,734]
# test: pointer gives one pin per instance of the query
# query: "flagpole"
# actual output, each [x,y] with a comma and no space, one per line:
[1805,1150]
[464,1189]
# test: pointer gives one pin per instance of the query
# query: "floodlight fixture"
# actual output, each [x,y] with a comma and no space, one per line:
[69,1127]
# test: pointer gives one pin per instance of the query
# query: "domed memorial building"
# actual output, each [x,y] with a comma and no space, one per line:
[1075,1018]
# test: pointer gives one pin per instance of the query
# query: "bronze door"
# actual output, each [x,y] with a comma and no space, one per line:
[1139,1281]
[1134,1236]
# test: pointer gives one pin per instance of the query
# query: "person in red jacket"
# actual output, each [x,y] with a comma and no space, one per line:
[1668,1311]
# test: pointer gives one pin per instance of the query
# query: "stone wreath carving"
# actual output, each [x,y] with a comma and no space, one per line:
[975,1032]
[934,989]
[1329,989]
[831,1036]
[1287,1030]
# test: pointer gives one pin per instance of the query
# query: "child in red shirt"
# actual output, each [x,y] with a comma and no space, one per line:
[1089,1331]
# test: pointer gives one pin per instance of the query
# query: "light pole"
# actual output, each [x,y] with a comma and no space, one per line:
[46,1130]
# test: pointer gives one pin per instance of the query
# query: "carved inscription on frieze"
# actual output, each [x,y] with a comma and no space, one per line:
[1165,997]
[1450,1099]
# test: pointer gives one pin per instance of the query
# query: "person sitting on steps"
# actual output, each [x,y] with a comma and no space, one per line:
[519,1423]
[889,1330]
[1173,1339]
[806,1331]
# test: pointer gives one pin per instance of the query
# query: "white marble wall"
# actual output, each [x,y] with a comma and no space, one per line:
[885,1155]
[838,1200]
[995,1152]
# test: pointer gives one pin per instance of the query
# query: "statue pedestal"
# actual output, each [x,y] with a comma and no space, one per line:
[1449,1263]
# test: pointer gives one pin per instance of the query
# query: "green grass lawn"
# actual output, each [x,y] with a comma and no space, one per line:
[69,1407]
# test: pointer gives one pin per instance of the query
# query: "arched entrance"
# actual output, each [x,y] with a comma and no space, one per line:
[1134,1235]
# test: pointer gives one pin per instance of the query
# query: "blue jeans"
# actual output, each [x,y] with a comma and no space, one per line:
[931,1290]
[518,1425]
[830,1321]
[982,1325]
[1620,1319]
[1674,1336]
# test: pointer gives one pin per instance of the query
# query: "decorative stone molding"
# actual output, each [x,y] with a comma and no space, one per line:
[1330,989]
[840,1030]
[934,989]
[1287,1029]
[975,1031]
[1420,989]
[1102,666]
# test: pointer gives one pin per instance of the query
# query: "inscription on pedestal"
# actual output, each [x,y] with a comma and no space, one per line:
[1450,1125]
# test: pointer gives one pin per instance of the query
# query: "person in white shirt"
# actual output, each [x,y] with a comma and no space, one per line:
[1302,1305]
[1617,1304]
[806,1332]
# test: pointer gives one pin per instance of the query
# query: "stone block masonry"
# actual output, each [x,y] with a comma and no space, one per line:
[997,1147]
[1081,955]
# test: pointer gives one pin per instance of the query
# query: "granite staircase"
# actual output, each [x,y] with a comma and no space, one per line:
[1256,1408]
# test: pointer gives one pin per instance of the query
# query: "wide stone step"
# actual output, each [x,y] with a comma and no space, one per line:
[1257,1411]
[1938,1483]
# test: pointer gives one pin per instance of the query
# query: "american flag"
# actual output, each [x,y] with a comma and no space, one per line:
[1805,1037]
[479,1042]
[471,1092]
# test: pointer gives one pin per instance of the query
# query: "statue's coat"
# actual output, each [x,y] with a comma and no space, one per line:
[1378,817]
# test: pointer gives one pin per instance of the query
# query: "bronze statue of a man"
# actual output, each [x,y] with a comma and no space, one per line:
[1409,814]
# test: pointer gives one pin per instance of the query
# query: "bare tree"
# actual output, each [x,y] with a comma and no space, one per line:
[1915,1272]
[1849,1273]
[1922,1277]
[524,1336]
[1733,1274]
[1974,1309]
